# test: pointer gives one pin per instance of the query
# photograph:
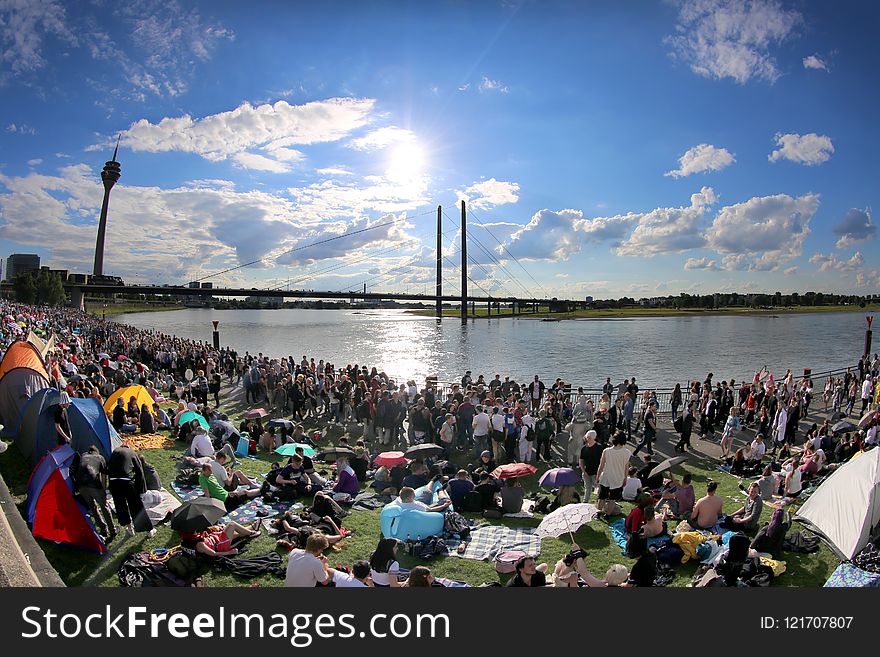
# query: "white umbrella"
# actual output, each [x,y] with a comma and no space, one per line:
[566,519]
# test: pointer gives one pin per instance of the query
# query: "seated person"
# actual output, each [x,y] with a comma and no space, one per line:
[707,509]
[151,475]
[636,517]
[528,573]
[147,421]
[644,571]
[565,495]
[201,444]
[397,474]
[756,450]
[419,577]
[382,481]
[217,541]
[296,531]
[407,500]
[682,498]
[632,486]
[745,519]
[358,578]
[768,484]
[771,536]
[213,489]
[644,474]
[459,487]
[360,462]
[512,496]
[429,492]
[164,422]
[309,468]
[572,569]
[487,488]
[118,418]
[347,481]
[418,476]
[654,525]
[292,480]
[230,479]
[485,463]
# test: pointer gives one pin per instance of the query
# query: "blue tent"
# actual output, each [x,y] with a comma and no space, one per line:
[35,433]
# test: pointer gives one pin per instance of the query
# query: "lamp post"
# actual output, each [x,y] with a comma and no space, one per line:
[110,174]
[104,312]
[868,335]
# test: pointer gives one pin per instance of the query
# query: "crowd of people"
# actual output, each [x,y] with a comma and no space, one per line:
[488,423]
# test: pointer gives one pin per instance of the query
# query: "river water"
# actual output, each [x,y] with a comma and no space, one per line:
[659,351]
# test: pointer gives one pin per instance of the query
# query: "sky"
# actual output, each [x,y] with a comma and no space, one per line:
[603,149]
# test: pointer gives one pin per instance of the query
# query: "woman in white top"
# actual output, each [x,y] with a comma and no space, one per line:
[383,564]
[613,467]
[792,479]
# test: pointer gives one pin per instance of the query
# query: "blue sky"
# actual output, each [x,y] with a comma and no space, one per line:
[638,149]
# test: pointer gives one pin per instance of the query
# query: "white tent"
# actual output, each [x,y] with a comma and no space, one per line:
[845,508]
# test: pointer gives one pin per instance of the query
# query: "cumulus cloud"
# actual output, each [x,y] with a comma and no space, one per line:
[829,262]
[763,232]
[790,271]
[704,264]
[382,138]
[488,85]
[806,149]
[702,157]
[333,171]
[816,63]
[730,38]
[489,193]
[35,162]
[868,279]
[670,230]
[259,163]
[854,227]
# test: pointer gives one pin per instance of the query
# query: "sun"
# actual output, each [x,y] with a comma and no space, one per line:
[406,163]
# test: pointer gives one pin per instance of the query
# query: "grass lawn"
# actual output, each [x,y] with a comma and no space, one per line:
[78,568]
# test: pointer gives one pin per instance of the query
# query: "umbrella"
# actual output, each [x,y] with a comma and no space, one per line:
[280,422]
[121,357]
[424,451]
[256,413]
[559,477]
[866,419]
[512,470]
[663,466]
[289,449]
[566,520]
[104,356]
[391,459]
[91,368]
[197,514]
[189,416]
[334,453]
[74,378]
[844,426]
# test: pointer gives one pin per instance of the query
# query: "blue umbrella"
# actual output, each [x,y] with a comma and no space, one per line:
[189,416]
[559,477]
[289,449]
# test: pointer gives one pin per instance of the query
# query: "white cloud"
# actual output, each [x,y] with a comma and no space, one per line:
[816,63]
[704,263]
[61,155]
[333,171]
[35,162]
[829,262]
[791,271]
[490,193]
[24,24]
[855,227]
[730,38]
[20,129]
[382,138]
[670,230]
[868,279]
[465,87]
[490,85]
[806,149]
[703,157]
[273,128]
[764,232]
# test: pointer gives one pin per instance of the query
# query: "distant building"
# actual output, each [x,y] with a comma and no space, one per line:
[20,263]
[270,302]
[588,299]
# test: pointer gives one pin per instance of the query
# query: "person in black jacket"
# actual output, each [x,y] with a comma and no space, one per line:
[687,427]
[89,472]
[127,483]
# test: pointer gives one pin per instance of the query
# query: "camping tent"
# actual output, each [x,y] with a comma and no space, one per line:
[138,392]
[22,372]
[845,508]
[35,432]
[52,511]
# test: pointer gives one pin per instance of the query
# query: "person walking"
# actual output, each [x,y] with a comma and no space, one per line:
[650,430]
[127,483]
[687,426]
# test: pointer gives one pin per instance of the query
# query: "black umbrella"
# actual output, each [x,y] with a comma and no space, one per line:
[844,426]
[423,451]
[280,422]
[197,515]
[333,453]
[667,464]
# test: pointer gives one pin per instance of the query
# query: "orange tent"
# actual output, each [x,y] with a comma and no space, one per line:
[22,373]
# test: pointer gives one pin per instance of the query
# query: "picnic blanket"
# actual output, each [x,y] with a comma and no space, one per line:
[367,501]
[849,576]
[148,441]
[527,510]
[246,513]
[165,505]
[620,535]
[486,542]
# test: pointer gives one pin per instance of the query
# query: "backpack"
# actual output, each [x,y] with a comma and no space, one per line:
[472,502]
[738,548]
[505,562]
[428,548]
[187,477]
[455,523]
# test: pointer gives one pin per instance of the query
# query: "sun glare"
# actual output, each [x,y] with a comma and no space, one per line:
[406,163]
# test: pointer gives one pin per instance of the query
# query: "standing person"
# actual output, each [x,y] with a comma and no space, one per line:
[127,483]
[779,427]
[543,435]
[687,427]
[90,473]
[536,392]
[590,457]
[675,401]
[730,426]
[498,434]
[526,439]
[482,427]
[613,466]
[629,406]
[866,393]
[62,426]
[650,429]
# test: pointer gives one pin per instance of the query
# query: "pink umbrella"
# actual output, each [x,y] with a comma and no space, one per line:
[512,470]
[254,414]
[390,459]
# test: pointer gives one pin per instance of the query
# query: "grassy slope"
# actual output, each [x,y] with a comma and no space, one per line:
[98,310]
[81,568]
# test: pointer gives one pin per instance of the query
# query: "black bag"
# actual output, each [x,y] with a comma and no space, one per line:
[472,502]
[188,477]
[801,543]
[738,548]
[678,424]
[428,548]
[455,523]
[252,566]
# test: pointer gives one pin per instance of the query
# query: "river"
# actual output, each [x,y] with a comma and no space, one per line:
[657,350]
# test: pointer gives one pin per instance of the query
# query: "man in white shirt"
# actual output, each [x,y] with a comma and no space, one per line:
[201,444]
[756,449]
[307,568]
[871,435]
[482,426]
[358,579]
[866,393]
[407,500]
